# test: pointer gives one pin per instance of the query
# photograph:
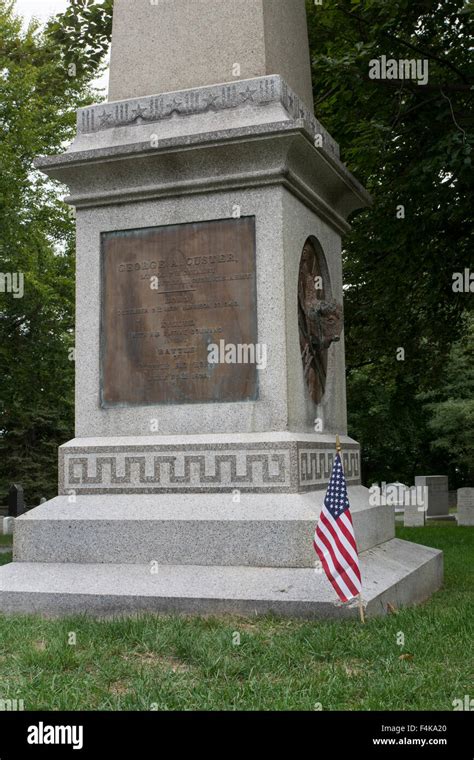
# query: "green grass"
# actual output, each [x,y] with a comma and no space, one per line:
[5,540]
[173,663]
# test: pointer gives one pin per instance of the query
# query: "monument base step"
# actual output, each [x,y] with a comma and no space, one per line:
[262,530]
[396,572]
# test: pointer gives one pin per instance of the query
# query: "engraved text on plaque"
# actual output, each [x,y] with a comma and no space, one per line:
[167,294]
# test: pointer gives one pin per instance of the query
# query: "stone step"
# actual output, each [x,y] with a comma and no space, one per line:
[263,530]
[396,572]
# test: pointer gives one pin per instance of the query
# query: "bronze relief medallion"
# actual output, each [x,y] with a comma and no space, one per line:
[320,318]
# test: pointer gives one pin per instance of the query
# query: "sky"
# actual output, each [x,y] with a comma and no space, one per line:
[42,10]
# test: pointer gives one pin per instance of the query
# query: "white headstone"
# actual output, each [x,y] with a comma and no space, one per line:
[465,506]
[414,515]
[8,523]
[395,495]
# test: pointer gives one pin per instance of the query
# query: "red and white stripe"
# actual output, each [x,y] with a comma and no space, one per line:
[335,545]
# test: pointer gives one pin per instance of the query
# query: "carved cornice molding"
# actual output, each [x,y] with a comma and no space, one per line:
[250,93]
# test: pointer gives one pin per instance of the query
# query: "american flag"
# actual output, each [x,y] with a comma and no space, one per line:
[334,539]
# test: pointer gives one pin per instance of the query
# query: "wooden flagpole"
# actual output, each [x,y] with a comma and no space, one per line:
[361,605]
[361,609]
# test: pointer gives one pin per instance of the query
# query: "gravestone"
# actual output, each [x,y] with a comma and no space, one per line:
[210,370]
[8,524]
[465,506]
[414,515]
[436,489]
[395,494]
[16,501]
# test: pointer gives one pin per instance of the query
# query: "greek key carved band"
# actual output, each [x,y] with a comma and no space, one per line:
[178,472]
[289,468]
[316,466]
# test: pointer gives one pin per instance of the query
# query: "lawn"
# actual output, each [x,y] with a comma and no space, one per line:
[172,663]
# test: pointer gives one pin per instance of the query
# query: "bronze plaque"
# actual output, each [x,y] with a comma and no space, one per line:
[168,293]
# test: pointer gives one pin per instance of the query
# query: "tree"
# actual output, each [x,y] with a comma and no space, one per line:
[83,34]
[38,99]
[451,406]
[411,145]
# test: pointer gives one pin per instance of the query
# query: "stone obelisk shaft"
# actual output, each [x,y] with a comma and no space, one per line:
[167,46]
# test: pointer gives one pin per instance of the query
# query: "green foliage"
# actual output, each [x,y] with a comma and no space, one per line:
[83,34]
[452,405]
[411,145]
[37,116]
[392,435]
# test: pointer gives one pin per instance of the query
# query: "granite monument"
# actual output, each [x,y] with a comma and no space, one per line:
[210,209]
